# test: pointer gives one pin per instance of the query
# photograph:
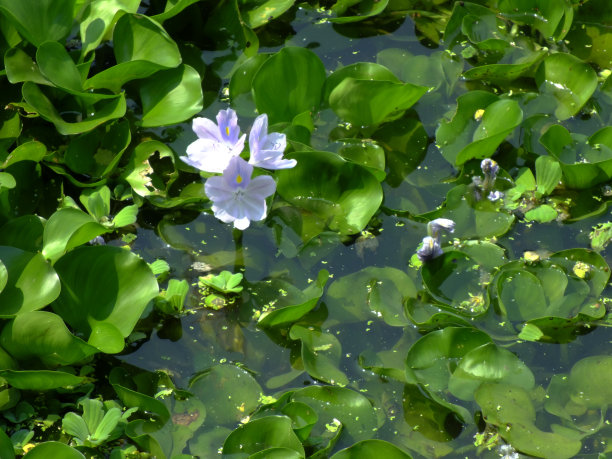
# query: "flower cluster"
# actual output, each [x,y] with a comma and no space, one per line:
[489,168]
[236,196]
[430,246]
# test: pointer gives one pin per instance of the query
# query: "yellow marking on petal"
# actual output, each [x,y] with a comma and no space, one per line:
[226,130]
[238,179]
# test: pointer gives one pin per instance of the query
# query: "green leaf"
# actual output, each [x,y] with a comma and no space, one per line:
[98,18]
[467,136]
[299,76]
[68,228]
[43,335]
[568,80]
[354,411]
[173,7]
[548,174]
[553,18]
[110,109]
[142,47]
[28,151]
[259,12]
[363,10]
[6,446]
[97,153]
[107,425]
[358,71]
[542,214]
[285,315]
[103,284]
[383,290]
[530,332]
[261,434]
[32,282]
[321,354]
[96,202]
[58,67]
[171,96]
[7,181]
[510,408]
[40,20]
[126,216]
[366,102]
[40,380]
[488,363]
[340,193]
[228,392]
[74,425]
[53,450]
[20,67]
[591,382]
[430,359]
[371,449]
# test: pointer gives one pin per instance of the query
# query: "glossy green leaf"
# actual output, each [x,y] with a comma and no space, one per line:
[31,285]
[68,228]
[171,96]
[468,136]
[569,80]
[53,450]
[371,449]
[285,315]
[454,280]
[142,47]
[98,18]
[354,411]
[530,332]
[261,434]
[40,20]
[109,109]
[430,359]
[21,67]
[488,363]
[259,12]
[40,380]
[548,174]
[511,410]
[383,290]
[6,446]
[590,381]
[342,194]
[173,7]
[28,151]
[58,67]
[7,181]
[103,284]
[299,76]
[241,83]
[363,10]
[44,336]
[96,202]
[228,392]
[358,71]
[366,102]
[321,354]
[541,214]
[552,18]
[97,153]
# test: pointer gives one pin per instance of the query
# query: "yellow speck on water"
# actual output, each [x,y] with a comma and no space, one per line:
[239,179]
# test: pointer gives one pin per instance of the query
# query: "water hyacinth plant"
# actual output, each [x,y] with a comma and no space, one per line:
[177,284]
[237,198]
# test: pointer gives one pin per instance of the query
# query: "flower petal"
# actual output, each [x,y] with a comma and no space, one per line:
[208,155]
[228,126]
[258,134]
[261,187]
[241,223]
[206,129]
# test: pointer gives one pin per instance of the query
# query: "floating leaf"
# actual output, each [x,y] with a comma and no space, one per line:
[299,75]
[569,80]
[263,436]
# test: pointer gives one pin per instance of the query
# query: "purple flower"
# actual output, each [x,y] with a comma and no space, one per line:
[267,149]
[216,143]
[429,249]
[236,197]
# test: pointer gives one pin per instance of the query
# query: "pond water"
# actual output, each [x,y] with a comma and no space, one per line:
[348,336]
[430,279]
